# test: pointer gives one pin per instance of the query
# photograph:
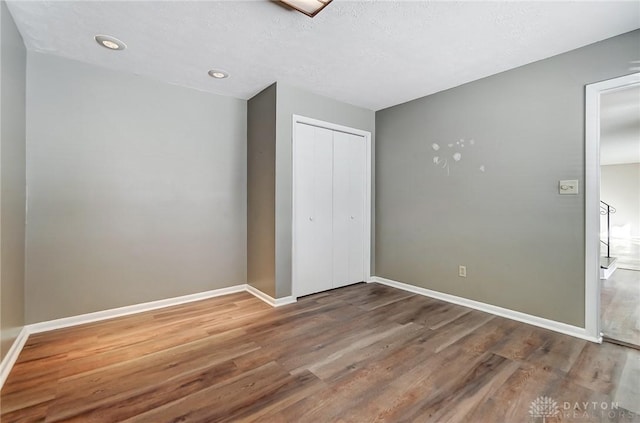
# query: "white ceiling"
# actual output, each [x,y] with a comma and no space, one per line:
[372,54]
[620,126]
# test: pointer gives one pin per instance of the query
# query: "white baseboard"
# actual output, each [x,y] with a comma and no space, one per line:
[606,273]
[273,302]
[127,310]
[488,308]
[12,355]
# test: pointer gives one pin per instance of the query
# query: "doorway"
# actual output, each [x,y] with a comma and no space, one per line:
[612,196]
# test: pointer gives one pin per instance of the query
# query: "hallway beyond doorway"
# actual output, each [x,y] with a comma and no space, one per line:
[620,305]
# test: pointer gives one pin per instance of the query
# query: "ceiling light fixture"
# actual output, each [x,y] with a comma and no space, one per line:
[218,74]
[109,42]
[308,7]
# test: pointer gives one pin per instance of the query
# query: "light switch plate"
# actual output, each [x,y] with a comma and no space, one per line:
[568,187]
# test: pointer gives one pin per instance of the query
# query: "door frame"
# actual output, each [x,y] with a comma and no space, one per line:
[592,196]
[368,178]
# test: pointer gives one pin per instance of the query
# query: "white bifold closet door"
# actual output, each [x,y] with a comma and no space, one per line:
[349,155]
[329,209]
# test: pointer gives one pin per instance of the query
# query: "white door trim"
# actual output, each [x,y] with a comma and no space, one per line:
[367,216]
[592,196]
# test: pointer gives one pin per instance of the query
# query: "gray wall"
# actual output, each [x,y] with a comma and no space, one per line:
[137,189]
[292,101]
[522,243]
[261,191]
[620,187]
[13,61]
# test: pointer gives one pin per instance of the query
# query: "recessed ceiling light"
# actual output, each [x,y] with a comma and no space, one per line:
[109,42]
[218,74]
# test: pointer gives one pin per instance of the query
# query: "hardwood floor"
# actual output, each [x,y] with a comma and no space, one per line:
[620,306]
[363,353]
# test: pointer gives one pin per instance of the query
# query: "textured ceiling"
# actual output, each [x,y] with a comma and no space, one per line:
[373,54]
[620,126]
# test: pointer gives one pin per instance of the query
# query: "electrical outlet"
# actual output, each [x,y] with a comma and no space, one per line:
[462,271]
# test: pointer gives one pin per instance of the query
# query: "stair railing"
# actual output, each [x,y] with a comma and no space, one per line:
[607,210]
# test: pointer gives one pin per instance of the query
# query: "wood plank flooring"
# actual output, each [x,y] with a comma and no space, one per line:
[363,353]
[620,306]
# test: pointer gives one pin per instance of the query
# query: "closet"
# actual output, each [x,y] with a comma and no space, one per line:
[330,208]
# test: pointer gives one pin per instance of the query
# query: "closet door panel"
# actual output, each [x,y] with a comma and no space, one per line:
[348,209]
[357,210]
[323,218]
[313,184]
[341,209]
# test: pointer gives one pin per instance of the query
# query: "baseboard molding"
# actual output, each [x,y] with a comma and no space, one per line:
[127,310]
[606,273]
[12,355]
[488,308]
[273,302]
